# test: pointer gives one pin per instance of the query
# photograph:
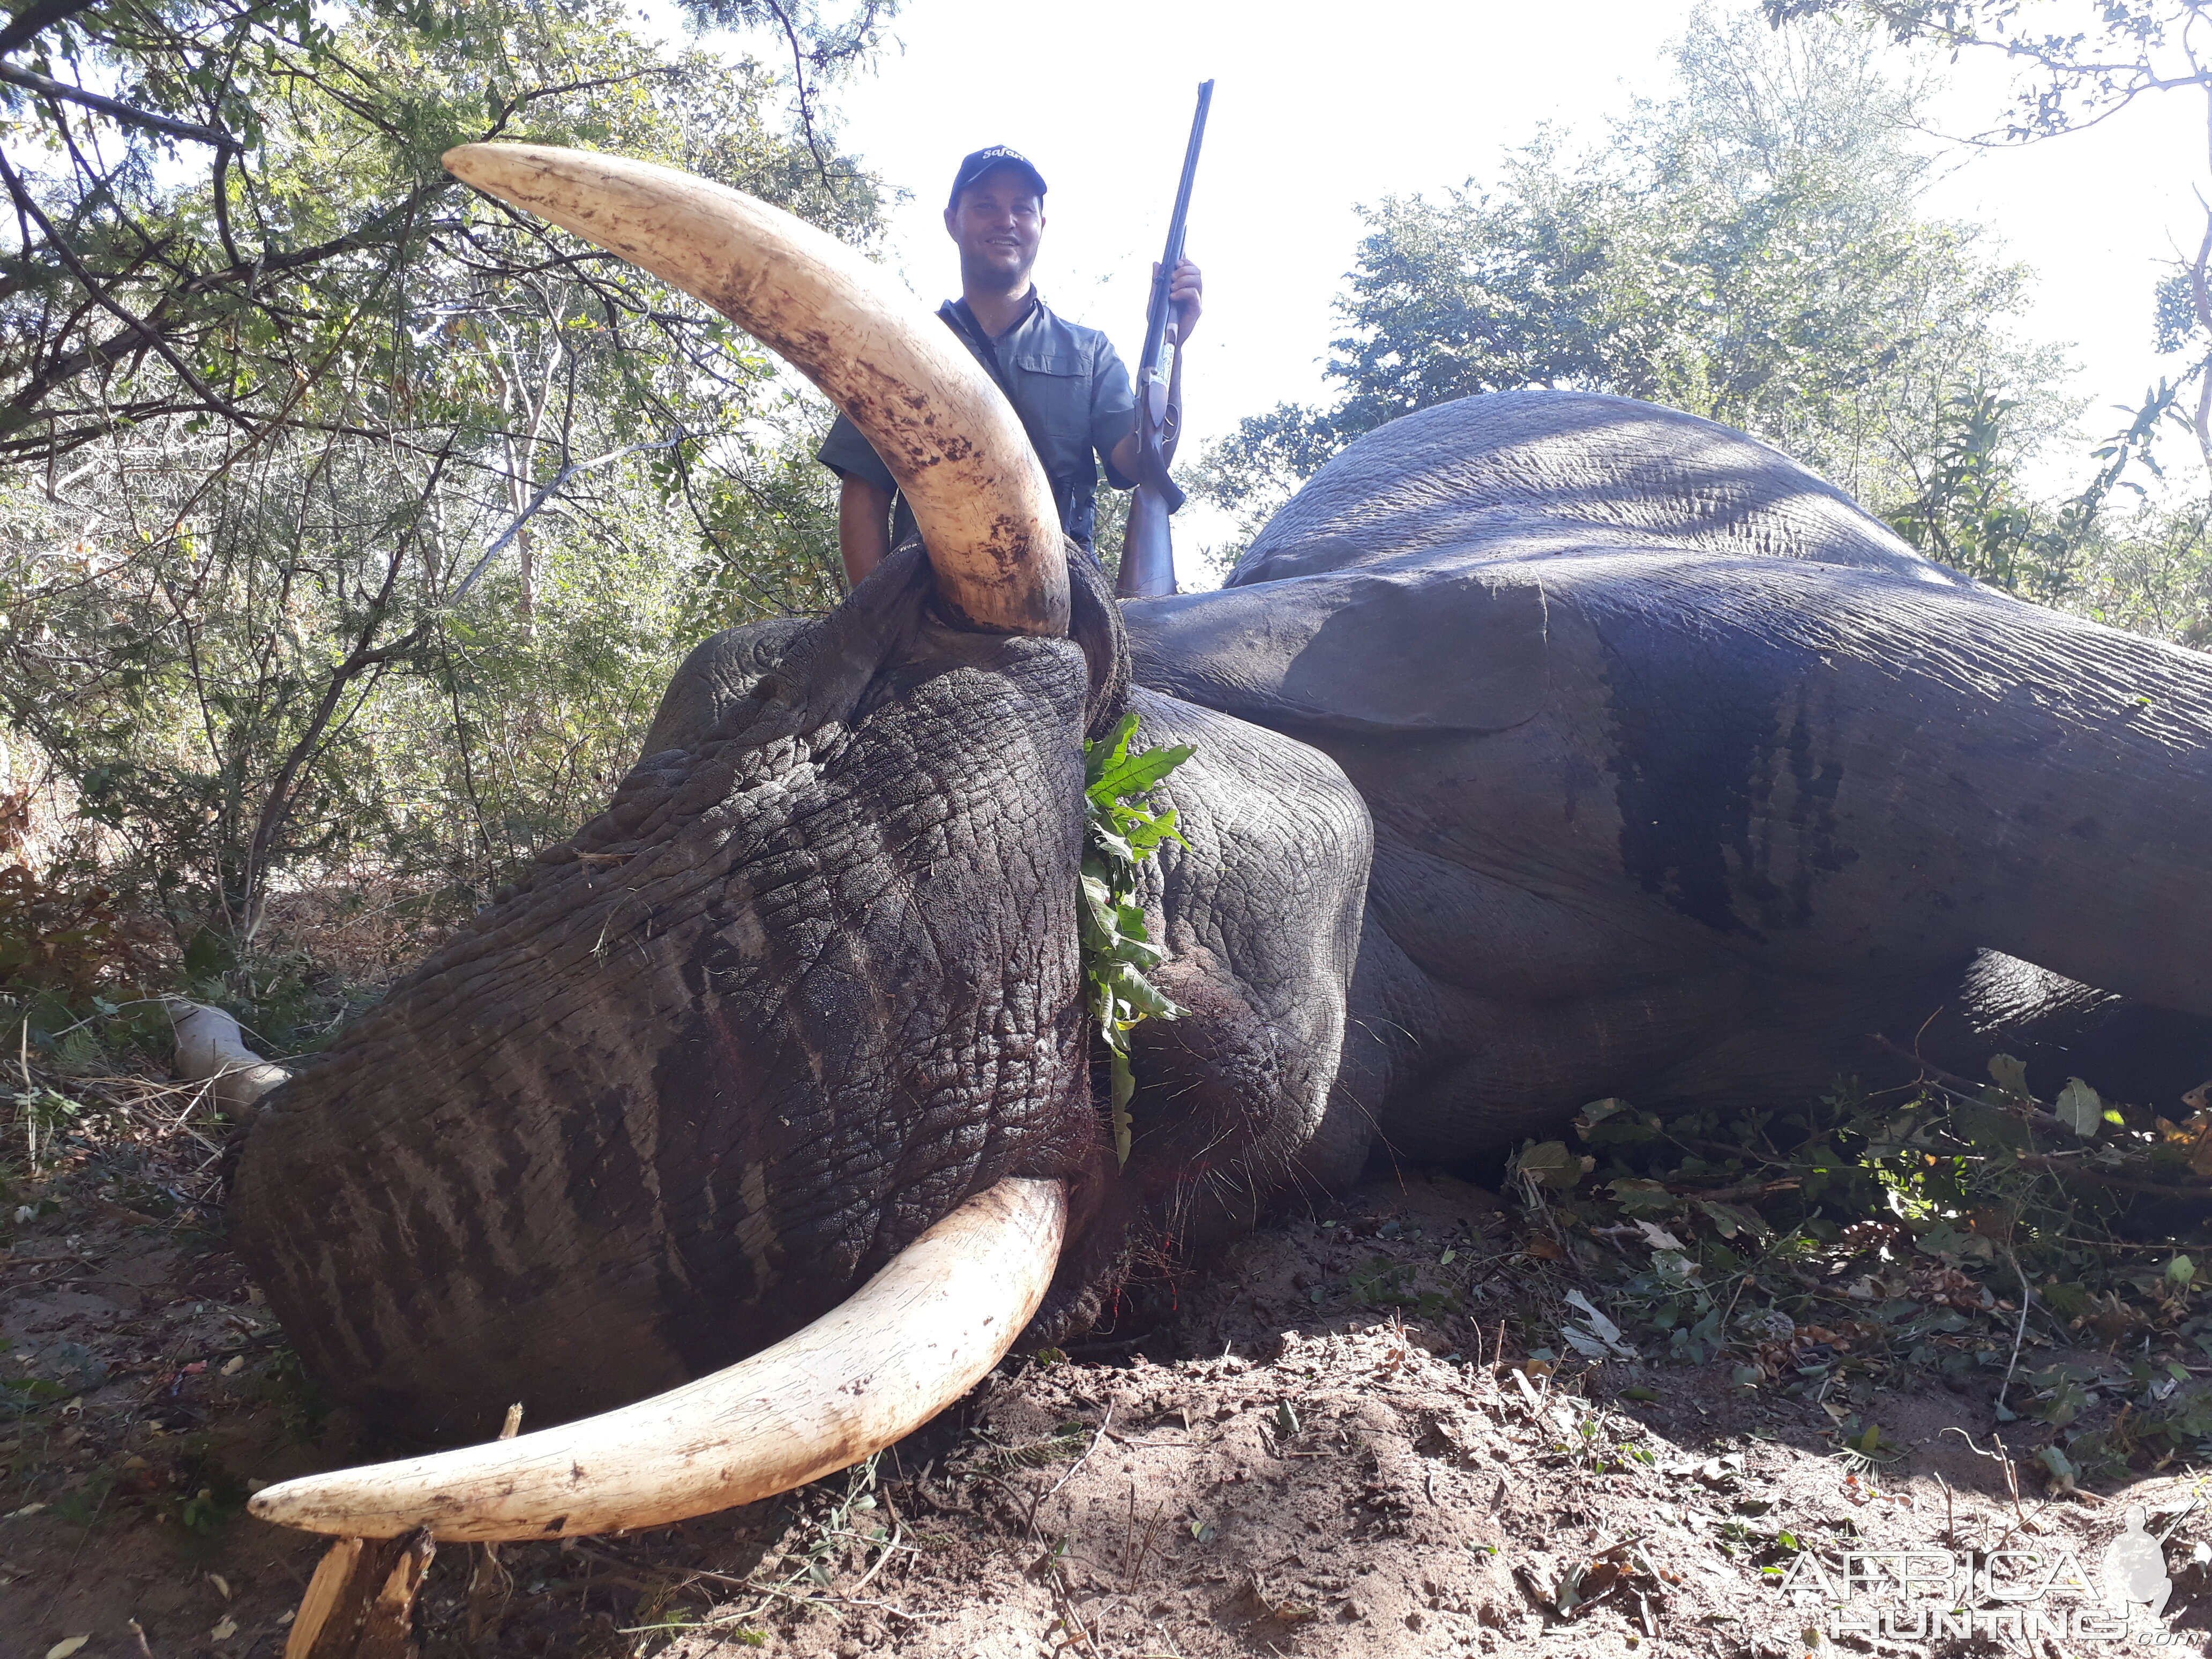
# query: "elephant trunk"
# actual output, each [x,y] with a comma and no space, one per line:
[949,438]
[2066,800]
[1922,771]
[909,1342]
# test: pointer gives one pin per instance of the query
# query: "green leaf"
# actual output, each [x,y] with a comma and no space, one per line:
[1549,1164]
[1116,940]
[1637,1196]
[2010,1073]
[1731,1220]
[1597,1111]
[1105,753]
[1125,1088]
[2079,1108]
[1137,773]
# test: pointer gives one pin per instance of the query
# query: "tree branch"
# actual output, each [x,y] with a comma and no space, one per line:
[32,81]
[2202,298]
[2067,1171]
[508,109]
[153,339]
[545,495]
[382,229]
[223,206]
[806,92]
[36,19]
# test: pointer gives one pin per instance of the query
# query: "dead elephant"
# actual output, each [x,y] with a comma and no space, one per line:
[1548,746]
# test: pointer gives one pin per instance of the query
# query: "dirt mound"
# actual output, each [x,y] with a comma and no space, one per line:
[1319,1454]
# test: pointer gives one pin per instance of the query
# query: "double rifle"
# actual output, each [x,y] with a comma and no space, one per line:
[1147,547]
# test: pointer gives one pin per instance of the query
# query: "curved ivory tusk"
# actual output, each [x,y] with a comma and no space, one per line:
[949,436]
[909,1343]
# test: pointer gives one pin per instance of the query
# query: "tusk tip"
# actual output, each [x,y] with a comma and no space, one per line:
[272,1504]
[294,1504]
[474,164]
[815,1402]
[988,517]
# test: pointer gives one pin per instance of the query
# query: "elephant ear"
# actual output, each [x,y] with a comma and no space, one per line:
[1421,650]
[1537,472]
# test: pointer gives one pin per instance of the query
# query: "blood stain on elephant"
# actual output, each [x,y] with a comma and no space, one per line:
[602,1192]
[1796,839]
[713,1058]
[1578,774]
[1691,739]
[1728,813]
[1814,810]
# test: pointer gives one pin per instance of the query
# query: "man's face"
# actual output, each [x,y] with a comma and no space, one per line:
[997,223]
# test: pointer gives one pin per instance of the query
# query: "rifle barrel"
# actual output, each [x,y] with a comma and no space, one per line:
[1156,316]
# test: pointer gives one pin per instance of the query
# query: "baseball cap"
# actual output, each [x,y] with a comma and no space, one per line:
[976,163]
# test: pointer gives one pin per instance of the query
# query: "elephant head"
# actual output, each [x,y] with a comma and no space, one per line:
[803,1011]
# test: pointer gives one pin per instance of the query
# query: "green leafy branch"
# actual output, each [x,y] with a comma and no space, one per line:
[1117,949]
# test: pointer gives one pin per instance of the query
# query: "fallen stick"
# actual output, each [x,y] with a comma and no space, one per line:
[2059,1166]
[361,1602]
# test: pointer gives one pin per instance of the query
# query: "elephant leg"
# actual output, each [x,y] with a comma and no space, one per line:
[1394,1021]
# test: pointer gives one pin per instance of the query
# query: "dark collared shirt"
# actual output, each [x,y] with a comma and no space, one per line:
[1069,387]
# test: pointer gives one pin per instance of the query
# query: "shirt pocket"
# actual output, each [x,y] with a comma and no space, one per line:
[1053,386]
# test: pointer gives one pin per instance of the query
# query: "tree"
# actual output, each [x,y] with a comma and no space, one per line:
[2101,57]
[229,285]
[337,520]
[1749,250]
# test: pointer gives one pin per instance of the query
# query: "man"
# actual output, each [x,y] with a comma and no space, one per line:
[1066,383]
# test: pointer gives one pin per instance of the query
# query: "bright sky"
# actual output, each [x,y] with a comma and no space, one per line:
[1316,111]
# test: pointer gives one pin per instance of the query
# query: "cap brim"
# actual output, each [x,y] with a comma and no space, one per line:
[967,180]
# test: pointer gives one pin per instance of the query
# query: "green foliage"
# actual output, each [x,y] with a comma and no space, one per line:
[1751,251]
[2173,312]
[2152,573]
[2145,569]
[1117,947]
[2073,64]
[196,1494]
[60,939]
[248,617]
[2076,62]
[1863,1239]
[1972,513]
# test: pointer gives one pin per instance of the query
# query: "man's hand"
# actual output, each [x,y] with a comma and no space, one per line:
[1185,294]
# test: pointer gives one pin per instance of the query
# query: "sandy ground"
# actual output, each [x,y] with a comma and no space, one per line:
[1319,1454]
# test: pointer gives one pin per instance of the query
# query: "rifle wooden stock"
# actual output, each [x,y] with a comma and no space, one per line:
[1147,548]
[1148,544]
